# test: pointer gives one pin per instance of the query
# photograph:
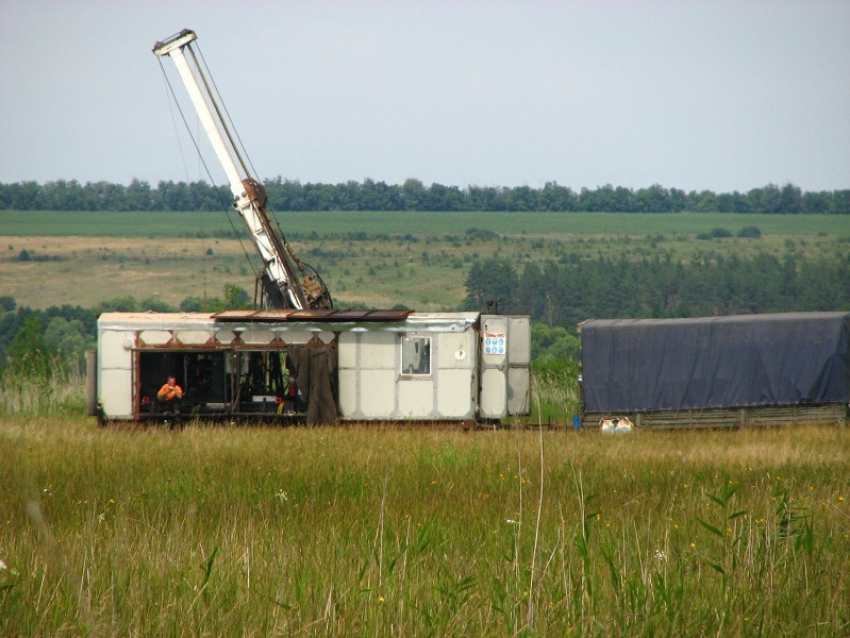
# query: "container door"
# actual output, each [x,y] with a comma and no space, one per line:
[494,367]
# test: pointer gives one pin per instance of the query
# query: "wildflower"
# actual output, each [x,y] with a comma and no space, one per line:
[660,556]
[282,496]
[693,545]
[840,499]
[381,599]
[511,521]
[3,565]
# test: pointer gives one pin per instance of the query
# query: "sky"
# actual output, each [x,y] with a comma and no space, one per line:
[705,94]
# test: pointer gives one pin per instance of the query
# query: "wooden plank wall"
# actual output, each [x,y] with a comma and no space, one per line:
[834,414]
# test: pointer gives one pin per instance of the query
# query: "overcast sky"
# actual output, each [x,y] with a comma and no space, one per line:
[719,95]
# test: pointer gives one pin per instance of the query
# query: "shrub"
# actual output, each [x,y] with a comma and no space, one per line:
[720,232]
[749,231]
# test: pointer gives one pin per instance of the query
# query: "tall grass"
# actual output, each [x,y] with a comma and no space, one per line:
[555,396]
[59,392]
[346,531]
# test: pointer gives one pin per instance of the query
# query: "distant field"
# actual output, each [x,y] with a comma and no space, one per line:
[378,259]
[404,532]
[163,224]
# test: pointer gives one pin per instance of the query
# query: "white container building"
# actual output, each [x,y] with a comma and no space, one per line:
[316,366]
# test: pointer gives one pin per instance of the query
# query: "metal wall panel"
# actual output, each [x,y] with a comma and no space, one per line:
[519,390]
[494,391]
[416,398]
[377,393]
[115,388]
[456,393]
[519,345]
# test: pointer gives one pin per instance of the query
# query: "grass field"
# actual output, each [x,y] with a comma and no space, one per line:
[188,224]
[332,531]
[415,259]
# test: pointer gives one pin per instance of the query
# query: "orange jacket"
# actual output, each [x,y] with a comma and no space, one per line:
[170,392]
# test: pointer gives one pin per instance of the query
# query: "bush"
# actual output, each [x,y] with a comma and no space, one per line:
[720,232]
[482,234]
[749,231]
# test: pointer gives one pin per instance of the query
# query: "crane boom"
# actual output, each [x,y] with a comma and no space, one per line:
[285,281]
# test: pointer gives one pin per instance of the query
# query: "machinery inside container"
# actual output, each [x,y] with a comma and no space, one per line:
[222,382]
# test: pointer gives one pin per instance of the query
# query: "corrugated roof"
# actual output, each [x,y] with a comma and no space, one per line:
[324,315]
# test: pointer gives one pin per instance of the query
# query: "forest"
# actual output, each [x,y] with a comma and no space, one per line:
[414,195]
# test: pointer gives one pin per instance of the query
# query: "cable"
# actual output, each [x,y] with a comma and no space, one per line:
[240,152]
[226,207]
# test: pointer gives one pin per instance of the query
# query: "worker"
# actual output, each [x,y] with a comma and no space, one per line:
[169,396]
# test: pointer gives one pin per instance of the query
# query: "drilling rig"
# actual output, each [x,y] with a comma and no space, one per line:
[286,281]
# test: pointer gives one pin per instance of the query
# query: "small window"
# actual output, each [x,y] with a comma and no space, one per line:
[416,355]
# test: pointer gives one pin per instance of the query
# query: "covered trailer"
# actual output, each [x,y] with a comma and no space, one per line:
[316,366]
[733,370]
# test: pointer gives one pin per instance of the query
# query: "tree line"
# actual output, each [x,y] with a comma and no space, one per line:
[414,195]
[564,293]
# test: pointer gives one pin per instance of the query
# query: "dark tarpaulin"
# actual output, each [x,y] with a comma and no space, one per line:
[633,365]
[315,374]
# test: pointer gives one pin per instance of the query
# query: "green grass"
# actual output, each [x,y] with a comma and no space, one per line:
[168,224]
[333,531]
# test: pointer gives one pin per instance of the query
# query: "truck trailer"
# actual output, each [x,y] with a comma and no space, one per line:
[783,368]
